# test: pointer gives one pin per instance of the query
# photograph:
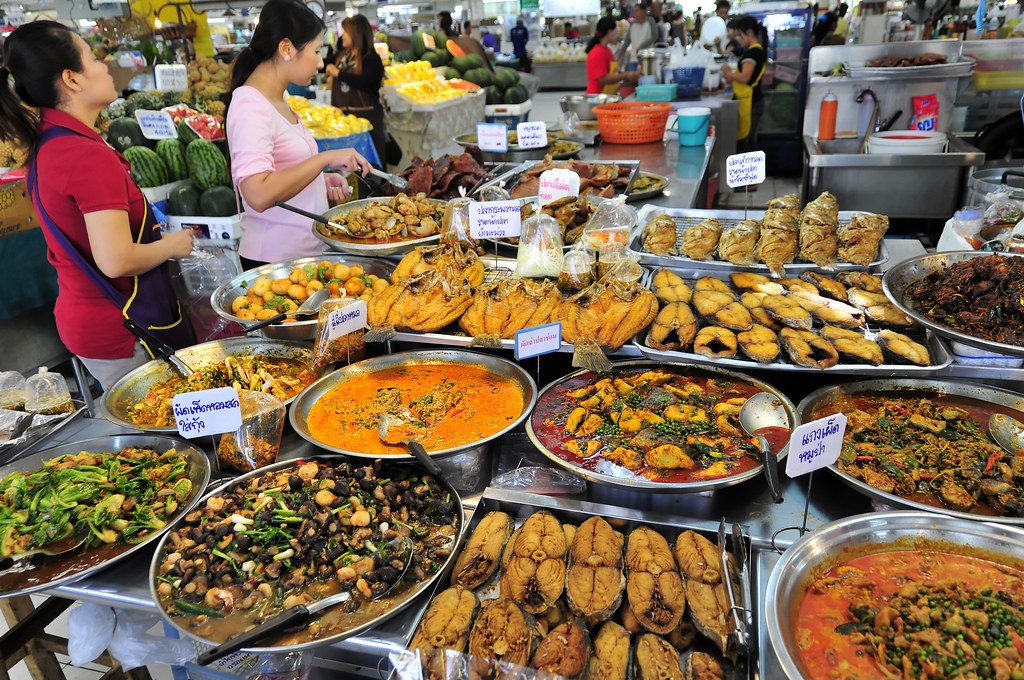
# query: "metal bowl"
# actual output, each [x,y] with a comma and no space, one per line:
[583,104]
[298,330]
[515,153]
[133,387]
[79,564]
[408,598]
[852,537]
[370,248]
[299,413]
[899,278]
[994,395]
[634,482]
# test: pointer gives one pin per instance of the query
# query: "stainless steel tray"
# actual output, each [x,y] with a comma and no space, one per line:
[650,193]
[635,482]
[686,218]
[981,392]
[964,66]
[79,564]
[368,249]
[409,597]
[299,413]
[133,387]
[509,179]
[520,505]
[517,153]
[298,330]
[901,276]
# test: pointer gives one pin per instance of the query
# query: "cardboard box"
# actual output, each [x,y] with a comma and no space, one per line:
[17,213]
[210,231]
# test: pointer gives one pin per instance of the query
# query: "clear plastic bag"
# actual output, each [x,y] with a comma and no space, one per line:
[257,442]
[540,248]
[623,268]
[346,348]
[202,273]
[12,391]
[541,480]
[455,223]
[577,268]
[611,224]
[93,628]
[1003,209]
[47,394]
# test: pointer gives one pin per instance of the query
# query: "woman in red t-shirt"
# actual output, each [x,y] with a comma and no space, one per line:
[600,58]
[101,236]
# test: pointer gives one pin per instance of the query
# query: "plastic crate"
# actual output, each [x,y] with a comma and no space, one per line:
[689,81]
[509,114]
[361,142]
[656,93]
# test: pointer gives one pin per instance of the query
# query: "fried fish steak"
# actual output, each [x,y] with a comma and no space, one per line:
[709,611]
[657,659]
[737,244]
[878,307]
[611,656]
[629,620]
[682,636]
[698,558]
[670,287]
[759,343]
[752,301]
[553,616]
[792,285]
[862,280]
[674,327]
[759,283]
[787,311]
[828,286]
[479,558]
[700,240]
[807,349]
[711,283]
[829,311]
[502,632]
[853,346]
[701,666]
[594,592]
[819,222]
[722,309]
[653,585]
[445,625]
[535,575]
[660,236]
[597,544]
[715,342]
[564,651]
[859,239]
[904,350]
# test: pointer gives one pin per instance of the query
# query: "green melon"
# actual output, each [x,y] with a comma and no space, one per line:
[451,73]
[183,201]
[516,94]
[480,76]
[148,170]
[172,153]
[505,77]
[124,133]
[494,95]
[206,165]
[218,202]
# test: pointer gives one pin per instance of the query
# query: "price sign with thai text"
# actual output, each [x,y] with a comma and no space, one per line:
[207,412]
[744,169]
[816,444]
[495,219]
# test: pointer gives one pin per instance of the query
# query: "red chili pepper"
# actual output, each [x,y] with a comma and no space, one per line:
[1018,642]
[927,475]
[864,459]
[992,462]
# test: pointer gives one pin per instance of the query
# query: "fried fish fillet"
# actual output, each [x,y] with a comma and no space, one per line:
[759,343]
[807,349]
[709,611]
[853,346]
[423,303]
[792,285]
[862,280]
[787,311]
[777,246]
[903,349]
[758,283]
[445,625]
[858,240]
[479,558]
[737,244]
[659,236]
[605,316]
[501,309]
[700,240]
[825,285]
[752,301]
[878,307]
[698,558]
[670,287]
[722,309]
[819,223]
[674,327]
[715,342]
[456,265]
[827,310]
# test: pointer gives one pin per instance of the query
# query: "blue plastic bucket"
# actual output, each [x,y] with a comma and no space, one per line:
[689,81]
[692,125]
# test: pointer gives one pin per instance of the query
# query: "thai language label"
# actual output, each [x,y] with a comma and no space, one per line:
[207,412]
[492,137]
[532,342]
[495,219]
[816,444]
[346,320]
[744,169]
[156,124]
[532,135]
[558,183]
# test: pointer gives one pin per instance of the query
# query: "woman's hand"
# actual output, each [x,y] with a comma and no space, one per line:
[332,70]
[727,72]
[338,189]
[179,243]
[347,160]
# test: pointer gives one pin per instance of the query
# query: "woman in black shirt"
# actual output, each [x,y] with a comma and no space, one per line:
[746,81]
[358,76]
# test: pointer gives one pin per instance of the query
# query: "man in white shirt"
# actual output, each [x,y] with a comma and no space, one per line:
[713,32]
[643,33]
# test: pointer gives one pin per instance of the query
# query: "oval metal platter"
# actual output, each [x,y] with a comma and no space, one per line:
[370,247]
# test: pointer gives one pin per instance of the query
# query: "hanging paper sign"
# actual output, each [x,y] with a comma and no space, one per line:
[532,135]
[816,444]
[744,169]
[346,320]
[495,219]
[156,124]
[492,137]
[207,412]
[556,184]
[538,340]
[171,77]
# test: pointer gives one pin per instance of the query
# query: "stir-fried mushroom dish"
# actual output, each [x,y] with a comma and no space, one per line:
[393,219]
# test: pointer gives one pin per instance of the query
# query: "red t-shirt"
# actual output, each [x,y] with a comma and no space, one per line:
[599,64]
[79,174]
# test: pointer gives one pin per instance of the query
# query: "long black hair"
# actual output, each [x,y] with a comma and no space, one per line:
[35,54]
[605,25]
[748,24]
[279,20]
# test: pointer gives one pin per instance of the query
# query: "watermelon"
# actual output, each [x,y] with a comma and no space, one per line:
[475,61]
[494,95]
[436,58]
[479,76]
[462,64]
[172,153]
[218,202]
[405,56]
[186,135]
[505,77]
[451,73]
[124,133]
[206,165]
[183,201]
[148,170]
[419,48]
[516,94]
[142,100]
[440,40]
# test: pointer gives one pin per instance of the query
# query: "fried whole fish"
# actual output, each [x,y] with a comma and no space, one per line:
[862,280]
[709,611]
[790,202]
[829,311]
[445,625]
[423,303]
[853,346]
[480,557]
[564,651]
[878,307]
[786,310]
[758,283]
[656,659]
[777,245]
[827,286]
[715,342]
[738,243]
[700,240]
[722,309]
[670,287]
[807,349]
[759,343]
[611,658]
[595,582]
[456,265]
[674,327]
[858,240]
[653,585]
[698,558]
[535,575]
[502,632]
[701,666]
[752,301]
[605,316]
[819,223]
[659,236]
[904,350]
[501,309]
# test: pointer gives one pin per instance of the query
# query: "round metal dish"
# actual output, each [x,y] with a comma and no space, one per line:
[79,564]
[515,153]
[851,537]
[583,104]
[133,387]
[370,247]
[298,330]
[663,183]
[409,596]
[299,413]
[899,278]
[994,395]
[636,482]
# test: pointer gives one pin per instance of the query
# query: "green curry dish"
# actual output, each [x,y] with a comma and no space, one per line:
[109,497]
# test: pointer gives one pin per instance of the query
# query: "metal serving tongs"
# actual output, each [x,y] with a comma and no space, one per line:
[295,618]
[734,569]
[503,177]
[316,218]
[160,349]
[399,183]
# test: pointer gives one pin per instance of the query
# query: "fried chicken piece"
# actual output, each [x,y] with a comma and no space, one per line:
[827,286]
[853,346]
[659,236]
[759,343]
[670,287]
[807,349]
[858,240]
[903,349]
[674,327]
[737,244]
[787,311]
[700,241]
[715,342]
[818,225]
[722,309]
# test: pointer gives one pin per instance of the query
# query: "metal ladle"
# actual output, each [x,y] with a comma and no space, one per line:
[309,307]
[758,412]
[64,545]
[1007,432]
[395,436]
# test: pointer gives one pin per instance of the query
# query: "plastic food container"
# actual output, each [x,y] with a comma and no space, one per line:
[906,142]
[12,391]
[257,442]
[47,394]
[692,125]
[973,356]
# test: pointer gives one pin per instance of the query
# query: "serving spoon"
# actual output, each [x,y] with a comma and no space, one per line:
[295,618]
[64,545]
[309,307]
[316,218]
[1007,432]
[395,436]
[761,411]
[161,350]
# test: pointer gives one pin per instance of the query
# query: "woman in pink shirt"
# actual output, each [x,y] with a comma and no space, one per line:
[273,156]
[600,58]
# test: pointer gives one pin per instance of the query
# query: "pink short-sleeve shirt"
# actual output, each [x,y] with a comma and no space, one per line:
[261,140]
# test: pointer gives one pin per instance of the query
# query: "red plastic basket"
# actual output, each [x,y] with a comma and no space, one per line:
[632,122]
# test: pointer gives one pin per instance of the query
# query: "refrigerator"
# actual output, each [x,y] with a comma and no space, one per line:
[784,84]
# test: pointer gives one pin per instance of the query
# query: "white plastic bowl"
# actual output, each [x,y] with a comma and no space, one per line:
[906,142]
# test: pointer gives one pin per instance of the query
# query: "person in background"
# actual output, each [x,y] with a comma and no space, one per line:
[467,29]
[601,76]
[490,41]
[823,28]
[445,24]
[643,33]
[520,36]
[714,31]
[358,75]
[732,45]
[746,81]
[273,156]
[842,25]
[678,30]
[100,234]
[571,33]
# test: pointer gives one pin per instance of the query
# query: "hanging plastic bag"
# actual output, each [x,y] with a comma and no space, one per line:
[201,274]
[332,347]
[620,266]
[611,224]
[540,248]
[577,268]
[1003,209]
[90,627]
[257,442]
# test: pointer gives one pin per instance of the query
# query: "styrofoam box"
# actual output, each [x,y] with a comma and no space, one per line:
[510,114]
[973,356]
[211,231]
[160,193]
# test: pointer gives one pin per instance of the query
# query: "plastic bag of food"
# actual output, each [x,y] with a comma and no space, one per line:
[333,344]
[47,394]
[612,223]
[455,223]
[1003,209]
[577,268]
[540,248]
[12,391]
[624,267]
[258,441]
